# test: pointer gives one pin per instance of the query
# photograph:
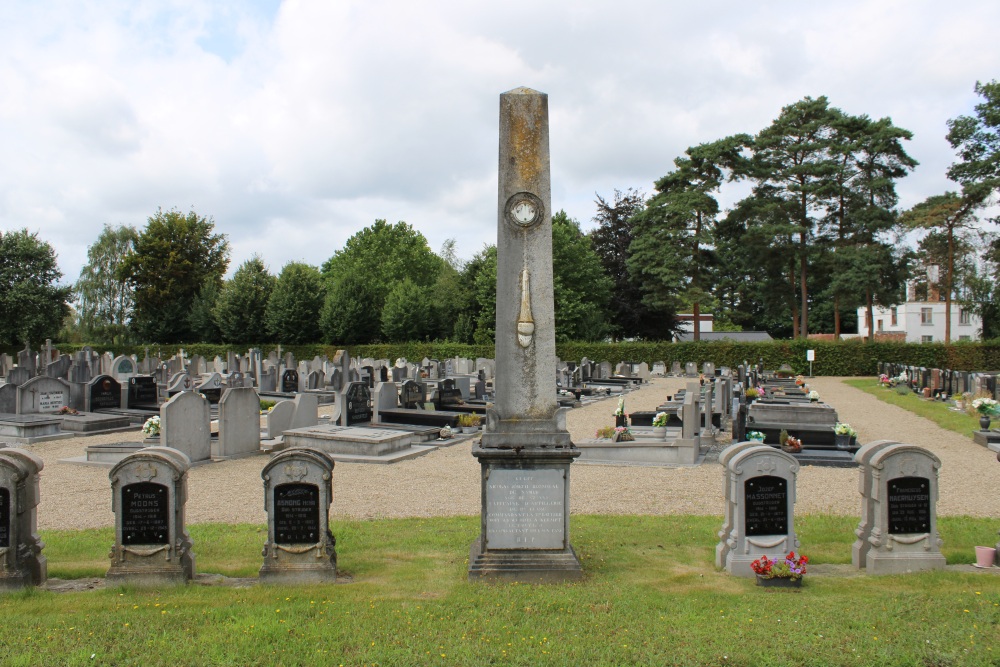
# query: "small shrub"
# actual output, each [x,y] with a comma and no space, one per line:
[607,432]
[902,389]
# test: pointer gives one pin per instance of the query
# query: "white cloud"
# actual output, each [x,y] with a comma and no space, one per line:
[296,126]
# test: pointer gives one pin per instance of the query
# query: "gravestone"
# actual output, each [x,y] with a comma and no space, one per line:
[413,395]
[525,452]
[152,546]
[239,424]
[691,369]
[142,393]
[268,379]
[385,397]
[290,381]
[60,367]
[26,360]
[903,493]
[184,425]
[123,368]
[659,369]
[279,418]
[298,491]
[357,406]
[210,386]
[180,382]
[859,550]
[729,515]
[8,399]
[762,482]
[18,376]
[21,561]
[103,393]
[675,368]
[304,414]
[42,395]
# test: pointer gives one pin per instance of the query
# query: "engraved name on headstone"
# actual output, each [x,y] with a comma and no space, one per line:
[909,505]
[766,505]
[526,509]
[145,513]
[296,513]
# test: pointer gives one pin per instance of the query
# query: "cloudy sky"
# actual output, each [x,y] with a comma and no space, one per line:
[295,124]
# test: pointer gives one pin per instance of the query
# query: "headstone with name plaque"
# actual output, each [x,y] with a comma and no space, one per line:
[42,395]
[298,490]
[152,546]
[762,490]
[103,393]
[21,561]
[142,392]
[290,381]
[357,404]
[903,500]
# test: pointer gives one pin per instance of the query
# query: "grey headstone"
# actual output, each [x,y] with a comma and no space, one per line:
[239,424]
[184,425]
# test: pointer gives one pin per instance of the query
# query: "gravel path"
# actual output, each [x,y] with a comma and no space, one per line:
[446,482]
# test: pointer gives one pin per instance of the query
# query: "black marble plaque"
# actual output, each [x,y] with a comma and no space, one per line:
[296,514]
[909,505]
[142,391]
[414,394]
[145,510]
[765,504]
[4,517]
[105,392]
[358,403]
[290,381]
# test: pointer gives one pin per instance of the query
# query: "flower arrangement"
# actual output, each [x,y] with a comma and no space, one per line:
[152,427]
[813,395]
[620,411]
[792,567]
[622,434]
[841,428]
[884,380]
[792,445]
[446,433]
[606,432]
[800,380]
[751,393]
[660,420]
[468,420]
[66,410]
[985,406]
[755,435]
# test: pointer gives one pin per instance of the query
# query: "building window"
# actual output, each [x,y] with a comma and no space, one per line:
[964,316]
[892,312]
[965,338]
[926,316]
[879,322]
[927,339]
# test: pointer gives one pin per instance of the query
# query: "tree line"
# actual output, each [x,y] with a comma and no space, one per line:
[819,235]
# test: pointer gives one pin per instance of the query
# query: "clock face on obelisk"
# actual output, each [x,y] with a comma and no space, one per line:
[524,209]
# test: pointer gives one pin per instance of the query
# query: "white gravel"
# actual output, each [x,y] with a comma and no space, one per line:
[446,482]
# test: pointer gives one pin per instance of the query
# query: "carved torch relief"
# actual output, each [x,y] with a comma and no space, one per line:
[525,323]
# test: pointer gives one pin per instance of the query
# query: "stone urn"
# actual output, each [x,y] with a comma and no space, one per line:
[660,432]
[842,441]
[984,422]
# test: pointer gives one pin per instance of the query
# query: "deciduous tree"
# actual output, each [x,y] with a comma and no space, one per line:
[104,301]
[293,311]
[32,303]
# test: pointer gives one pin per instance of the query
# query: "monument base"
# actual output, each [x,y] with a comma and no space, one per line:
[525,516]
[903,563]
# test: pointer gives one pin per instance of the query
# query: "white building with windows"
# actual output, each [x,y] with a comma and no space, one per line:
[920,321]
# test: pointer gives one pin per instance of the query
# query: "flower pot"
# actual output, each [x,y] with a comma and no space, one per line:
[927,392]
[779,582]
[985,556]
[984,423]
[660,432]
[842,441]
[469,429]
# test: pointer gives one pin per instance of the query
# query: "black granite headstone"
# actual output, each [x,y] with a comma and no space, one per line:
[290,381]
[765,503]
[909,505]
[105,392]
[4,518]
[142,391]
[413,394]
[358,403]
[296,514]
[145,513]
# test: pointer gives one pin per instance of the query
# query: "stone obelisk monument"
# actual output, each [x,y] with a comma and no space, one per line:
[526,451]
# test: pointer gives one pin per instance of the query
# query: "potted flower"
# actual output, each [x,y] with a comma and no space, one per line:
[987,408]
[843,435]
[151,428]
[469,422]
[785,573]
[660,425]
[884,380]
[446,433]
[621,417]
[814,396]
[799,380]
[755,436]
[752,394]
[789,443]
[605,433]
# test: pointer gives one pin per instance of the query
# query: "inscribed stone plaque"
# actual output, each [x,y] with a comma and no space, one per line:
[909,505]
[4,518]
[51,401]
[525,509]
[290,381]
[142,391]
[766,505]
[105,392]
[296,514]
[359,404]
[145,514]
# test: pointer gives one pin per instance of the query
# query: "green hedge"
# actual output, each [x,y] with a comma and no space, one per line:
[832,358]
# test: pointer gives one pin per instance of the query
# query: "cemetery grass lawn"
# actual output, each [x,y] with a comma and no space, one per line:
[651,596]
[938,412]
